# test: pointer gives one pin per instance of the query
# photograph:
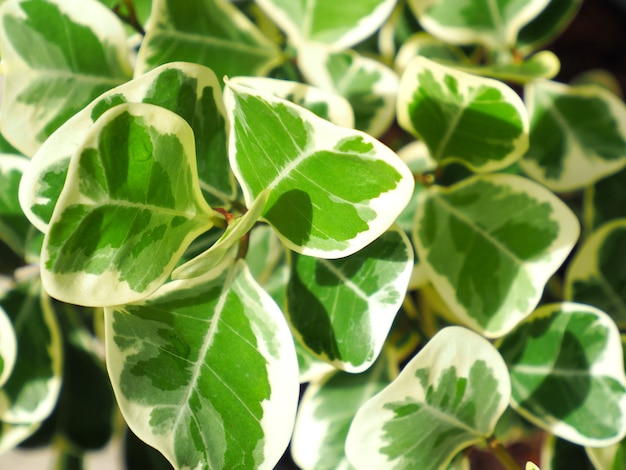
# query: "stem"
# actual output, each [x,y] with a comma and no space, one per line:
[502,454]
[131,18]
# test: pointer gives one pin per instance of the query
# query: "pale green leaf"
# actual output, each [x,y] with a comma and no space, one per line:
[567,373]
[424,45]
[369,86]
[608,458]
[12,434]
[8,347]
[531,466]
[57,56]
[205,371]
[493,23]
[577,134]
[343,309]
[213,33]
[476,121]
[31,391]
[490,243]
[303,160]
[130,207]
[326,411]
[544,64]
[596,276]
[14,226]
[446,398]
[328,105]
[342,24]
[191,91]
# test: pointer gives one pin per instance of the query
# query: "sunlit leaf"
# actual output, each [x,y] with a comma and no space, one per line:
[567,373]
[446,398]
[303,160]
[206,372]
[57,56]
[130,207]
[490,244]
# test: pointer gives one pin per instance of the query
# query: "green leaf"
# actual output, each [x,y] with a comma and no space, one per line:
[14,226]
[303,160]
[606,200]
[492,23]
[326,411]
[57,56]
[8,347]
[424,45]
[610,458]
[447,397]
[343,309]
[208,32]
[129,209]
[342,24]
[191,91]
[544,64]
[327,105]
[12,434]
[476,121]
[548,25]
[567,373]
[490,244]
[596,275]
[206,372]
[31,391]
[577,134]
[369,86]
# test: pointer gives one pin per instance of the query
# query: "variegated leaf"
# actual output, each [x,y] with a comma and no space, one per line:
[343,309]
[205,371]
[14,226]
[446,398]
[192,91]
[608,458]
[303,160]
[57,56]
[489,244]
[8,347]
[567,373]
[546,26]
[130,207]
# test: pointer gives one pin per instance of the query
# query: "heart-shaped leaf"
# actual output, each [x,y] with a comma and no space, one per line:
[489,244]
[213,33]
[304,162]
[205,371]
[129,209]
[596,275]
[493,23]
[446,398]
[577,134]
[476,121]
[57,56]
[191,91]
[342,24]
[567,373]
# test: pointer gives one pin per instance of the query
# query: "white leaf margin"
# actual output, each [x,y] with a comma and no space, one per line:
[8,346]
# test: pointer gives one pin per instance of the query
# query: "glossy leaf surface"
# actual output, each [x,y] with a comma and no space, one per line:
[303,161]
[476,121]
[57,56]
[134,178]
[490,243]
[343,309]
[567,373]
[446,398]
[577,134]
[206,372]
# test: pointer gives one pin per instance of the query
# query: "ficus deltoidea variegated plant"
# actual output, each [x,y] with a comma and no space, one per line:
[205,204]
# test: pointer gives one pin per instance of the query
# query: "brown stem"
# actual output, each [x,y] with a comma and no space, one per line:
[502,454]
[131,18]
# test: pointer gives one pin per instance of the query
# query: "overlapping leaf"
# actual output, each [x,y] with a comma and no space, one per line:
[192,91]
[131,206]
[213,33]
[326,411]
[546,26]
[490,243]
[493,23]
[577,134]
[206,372]
[57,56]
[343,309]
[596,276]
[342,24]
[567,373]
[304,162]
[610,457]
[14,226]
[8,347]
[606,200]
[369,86]
[447,397]
[476,121]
